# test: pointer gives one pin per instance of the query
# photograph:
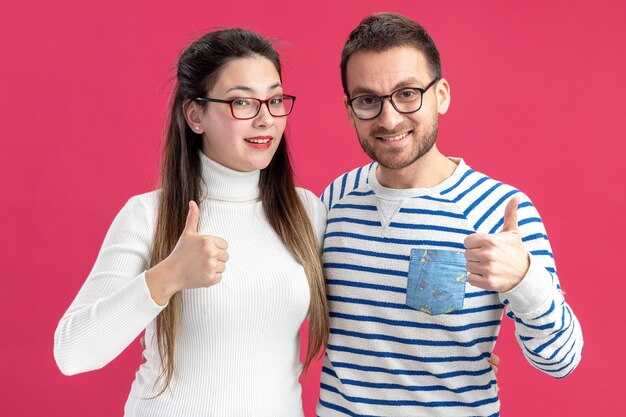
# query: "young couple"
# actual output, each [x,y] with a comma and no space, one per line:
[421,255]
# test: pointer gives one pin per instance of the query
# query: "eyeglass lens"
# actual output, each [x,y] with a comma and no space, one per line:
[406,100]
[244,108]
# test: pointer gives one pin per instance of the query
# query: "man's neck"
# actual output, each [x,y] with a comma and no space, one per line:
[428,171]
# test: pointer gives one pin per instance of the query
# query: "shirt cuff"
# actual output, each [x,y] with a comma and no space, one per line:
[532,292]
[147,299]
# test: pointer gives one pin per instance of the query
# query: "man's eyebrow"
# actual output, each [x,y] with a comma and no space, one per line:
[250,89]
[359,91]
[408,82]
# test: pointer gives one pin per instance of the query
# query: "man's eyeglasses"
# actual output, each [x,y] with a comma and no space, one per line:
[244,108]
[405,100]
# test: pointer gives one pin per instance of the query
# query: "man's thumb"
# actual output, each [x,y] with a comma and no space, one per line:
[510,216]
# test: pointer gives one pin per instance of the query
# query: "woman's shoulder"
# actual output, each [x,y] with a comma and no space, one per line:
[149,199]
[317,213]
[141,206]
[311,202]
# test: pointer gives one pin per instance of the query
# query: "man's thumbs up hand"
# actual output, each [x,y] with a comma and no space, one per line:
[497,262]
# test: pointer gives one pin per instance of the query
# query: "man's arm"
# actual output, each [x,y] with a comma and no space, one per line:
[517,262]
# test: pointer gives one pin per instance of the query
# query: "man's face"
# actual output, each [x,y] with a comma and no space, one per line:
[394,139]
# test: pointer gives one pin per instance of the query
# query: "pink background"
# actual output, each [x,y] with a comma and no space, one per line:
[538,99]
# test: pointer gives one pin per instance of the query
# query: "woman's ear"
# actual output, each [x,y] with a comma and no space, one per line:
[193,115]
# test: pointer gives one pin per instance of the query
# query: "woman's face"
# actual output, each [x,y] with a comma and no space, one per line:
[242,145]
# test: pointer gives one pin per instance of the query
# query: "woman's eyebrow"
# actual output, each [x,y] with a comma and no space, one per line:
[240,87]
[251,90]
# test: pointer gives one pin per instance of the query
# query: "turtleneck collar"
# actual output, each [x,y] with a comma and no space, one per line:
[225,184]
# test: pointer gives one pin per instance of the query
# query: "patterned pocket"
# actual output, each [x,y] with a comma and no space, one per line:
[436,282]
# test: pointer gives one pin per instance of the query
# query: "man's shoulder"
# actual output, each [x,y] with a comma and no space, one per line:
[482,199]
[346,183]
[469,181]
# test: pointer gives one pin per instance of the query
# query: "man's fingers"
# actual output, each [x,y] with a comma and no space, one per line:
[510,216]
[474,241]
[475,279]
[475,268]
[472,255]
[494,359]
[191,225]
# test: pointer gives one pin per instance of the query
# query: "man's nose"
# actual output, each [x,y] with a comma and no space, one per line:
[389,117]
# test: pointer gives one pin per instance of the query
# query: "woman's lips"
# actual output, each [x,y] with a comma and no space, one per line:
[259,142]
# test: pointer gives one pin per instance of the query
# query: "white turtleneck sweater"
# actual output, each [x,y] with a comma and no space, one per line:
[237,351]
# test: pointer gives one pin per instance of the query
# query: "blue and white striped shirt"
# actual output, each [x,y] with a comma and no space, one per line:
[385,358]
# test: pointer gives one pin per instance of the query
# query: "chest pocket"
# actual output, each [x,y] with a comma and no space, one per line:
[436,282]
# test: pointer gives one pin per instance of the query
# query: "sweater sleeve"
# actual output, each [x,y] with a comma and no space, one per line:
[317,214]
[345,184]
[545,326]
[114,305]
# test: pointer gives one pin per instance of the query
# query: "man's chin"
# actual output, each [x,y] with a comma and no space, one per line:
[398,158]
[387,164]
[392,160]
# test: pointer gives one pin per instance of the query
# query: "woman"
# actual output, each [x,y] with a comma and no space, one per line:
[221,265]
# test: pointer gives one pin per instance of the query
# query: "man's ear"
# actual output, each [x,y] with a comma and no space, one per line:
[348,110]
[193,115]
[442,92]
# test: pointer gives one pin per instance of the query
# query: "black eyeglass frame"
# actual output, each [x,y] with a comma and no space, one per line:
[261,102]
[389,96]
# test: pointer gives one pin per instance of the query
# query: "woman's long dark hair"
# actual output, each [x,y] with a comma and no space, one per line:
[198,68]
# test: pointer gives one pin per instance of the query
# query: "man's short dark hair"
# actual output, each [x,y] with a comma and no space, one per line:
[383,31]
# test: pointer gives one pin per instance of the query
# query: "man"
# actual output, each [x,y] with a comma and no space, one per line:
[423,254]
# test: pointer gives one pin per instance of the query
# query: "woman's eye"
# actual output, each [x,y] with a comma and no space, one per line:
[240,102]
[276,101]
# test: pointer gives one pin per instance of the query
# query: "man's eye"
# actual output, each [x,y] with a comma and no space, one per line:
[407,93]
[366,100]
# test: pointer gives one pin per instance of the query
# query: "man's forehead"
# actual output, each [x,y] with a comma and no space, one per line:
[394,54]
[376,70]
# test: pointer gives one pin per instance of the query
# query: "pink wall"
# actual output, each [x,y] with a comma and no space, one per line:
[538,99]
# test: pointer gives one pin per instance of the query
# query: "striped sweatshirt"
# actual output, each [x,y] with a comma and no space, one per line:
[387,358]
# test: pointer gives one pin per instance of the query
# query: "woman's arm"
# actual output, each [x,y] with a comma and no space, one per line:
[114,305]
